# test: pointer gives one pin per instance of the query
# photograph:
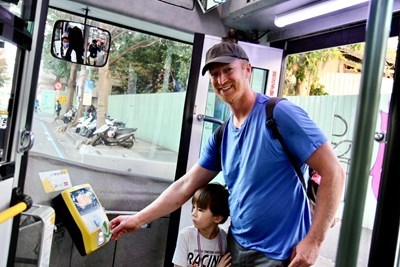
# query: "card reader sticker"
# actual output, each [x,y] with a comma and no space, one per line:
[55,180]
[85,200]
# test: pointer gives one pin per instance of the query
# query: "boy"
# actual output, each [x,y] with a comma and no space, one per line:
[205,242]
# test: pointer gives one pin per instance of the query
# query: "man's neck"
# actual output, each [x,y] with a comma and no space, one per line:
[243,108]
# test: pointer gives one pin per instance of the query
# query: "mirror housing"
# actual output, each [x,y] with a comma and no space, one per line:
[81,44]
[207,5]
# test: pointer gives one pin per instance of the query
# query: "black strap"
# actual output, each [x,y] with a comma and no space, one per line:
[220,132]
[269,109]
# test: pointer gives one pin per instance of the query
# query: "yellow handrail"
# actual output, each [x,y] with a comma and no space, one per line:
[13,211]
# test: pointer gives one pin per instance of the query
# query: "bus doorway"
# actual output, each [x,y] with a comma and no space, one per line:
[20,51]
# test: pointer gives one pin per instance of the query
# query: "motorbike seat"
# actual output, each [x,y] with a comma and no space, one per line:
[125,130]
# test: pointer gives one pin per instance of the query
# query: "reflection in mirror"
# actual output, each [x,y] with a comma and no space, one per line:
[73,42]
[207,5]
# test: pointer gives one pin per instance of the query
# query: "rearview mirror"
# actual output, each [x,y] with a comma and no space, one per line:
[81,44]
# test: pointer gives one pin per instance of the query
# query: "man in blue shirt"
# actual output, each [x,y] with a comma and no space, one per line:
[270,217]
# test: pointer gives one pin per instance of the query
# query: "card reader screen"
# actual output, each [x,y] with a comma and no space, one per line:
[84,200]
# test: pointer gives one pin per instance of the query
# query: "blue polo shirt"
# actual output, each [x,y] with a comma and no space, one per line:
[269,210]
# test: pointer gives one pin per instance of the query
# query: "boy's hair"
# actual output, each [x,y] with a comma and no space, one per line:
[215,197]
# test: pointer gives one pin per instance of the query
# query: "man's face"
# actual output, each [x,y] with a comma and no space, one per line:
[230,81]
[65,42]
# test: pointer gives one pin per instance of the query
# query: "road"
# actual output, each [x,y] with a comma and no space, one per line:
[52,138]
[48,140]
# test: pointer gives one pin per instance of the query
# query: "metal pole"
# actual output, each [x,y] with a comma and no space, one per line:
[378,26]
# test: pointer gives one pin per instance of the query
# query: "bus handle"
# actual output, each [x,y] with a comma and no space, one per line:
[202,117]
[24,204]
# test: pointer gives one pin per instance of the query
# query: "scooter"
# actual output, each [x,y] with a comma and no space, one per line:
[68,117]
[110,135]
[83,124]
[88,130]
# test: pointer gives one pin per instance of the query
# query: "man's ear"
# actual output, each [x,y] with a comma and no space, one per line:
[248,70]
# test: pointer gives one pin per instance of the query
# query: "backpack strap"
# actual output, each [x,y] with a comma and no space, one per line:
[219,133]
[269,109]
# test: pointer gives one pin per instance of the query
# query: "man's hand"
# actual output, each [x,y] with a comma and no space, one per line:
[304,254]
[124,224]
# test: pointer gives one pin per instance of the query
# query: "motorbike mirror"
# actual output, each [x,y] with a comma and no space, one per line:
[81,44]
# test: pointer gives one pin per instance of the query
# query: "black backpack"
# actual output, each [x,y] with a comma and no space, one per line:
[312,187]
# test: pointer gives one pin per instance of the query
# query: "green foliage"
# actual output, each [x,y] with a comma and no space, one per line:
[147,57]
[59,68]
[302,69]
[317,89]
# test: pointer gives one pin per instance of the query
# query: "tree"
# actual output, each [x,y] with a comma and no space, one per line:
[60,68]
[142,55]
[302,70]
[136,59]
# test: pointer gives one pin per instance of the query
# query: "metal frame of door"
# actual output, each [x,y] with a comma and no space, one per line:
[263,57]
[27,33]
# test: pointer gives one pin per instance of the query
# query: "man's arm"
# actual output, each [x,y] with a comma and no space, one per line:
[325,162]
[171,199]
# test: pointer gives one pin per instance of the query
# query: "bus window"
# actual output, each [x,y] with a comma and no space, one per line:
[7,61]
[138,97]
[142,86]
[258,80]
[328,91]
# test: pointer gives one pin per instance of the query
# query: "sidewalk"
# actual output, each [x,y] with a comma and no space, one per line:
[328,251]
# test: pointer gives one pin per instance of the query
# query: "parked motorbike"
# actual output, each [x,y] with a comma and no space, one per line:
[68,117]
[83,123]
[111,135]
[88,130]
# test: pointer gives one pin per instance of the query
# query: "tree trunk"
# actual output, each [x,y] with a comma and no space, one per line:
[71,85]
[79,112]
[103,91]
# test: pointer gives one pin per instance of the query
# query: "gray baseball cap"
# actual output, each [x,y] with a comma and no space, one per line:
[224,52]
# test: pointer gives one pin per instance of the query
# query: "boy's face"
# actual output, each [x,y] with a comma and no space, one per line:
[203,218]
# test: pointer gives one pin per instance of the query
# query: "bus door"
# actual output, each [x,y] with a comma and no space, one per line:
[21,41]
[209,111]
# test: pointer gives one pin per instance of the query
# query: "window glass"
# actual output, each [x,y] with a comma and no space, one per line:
[326,84]
[7,61]
[137,97]
[258,80]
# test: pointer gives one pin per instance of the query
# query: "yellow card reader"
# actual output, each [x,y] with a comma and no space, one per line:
[84,217]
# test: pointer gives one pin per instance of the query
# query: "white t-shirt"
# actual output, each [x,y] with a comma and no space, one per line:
[187,248]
